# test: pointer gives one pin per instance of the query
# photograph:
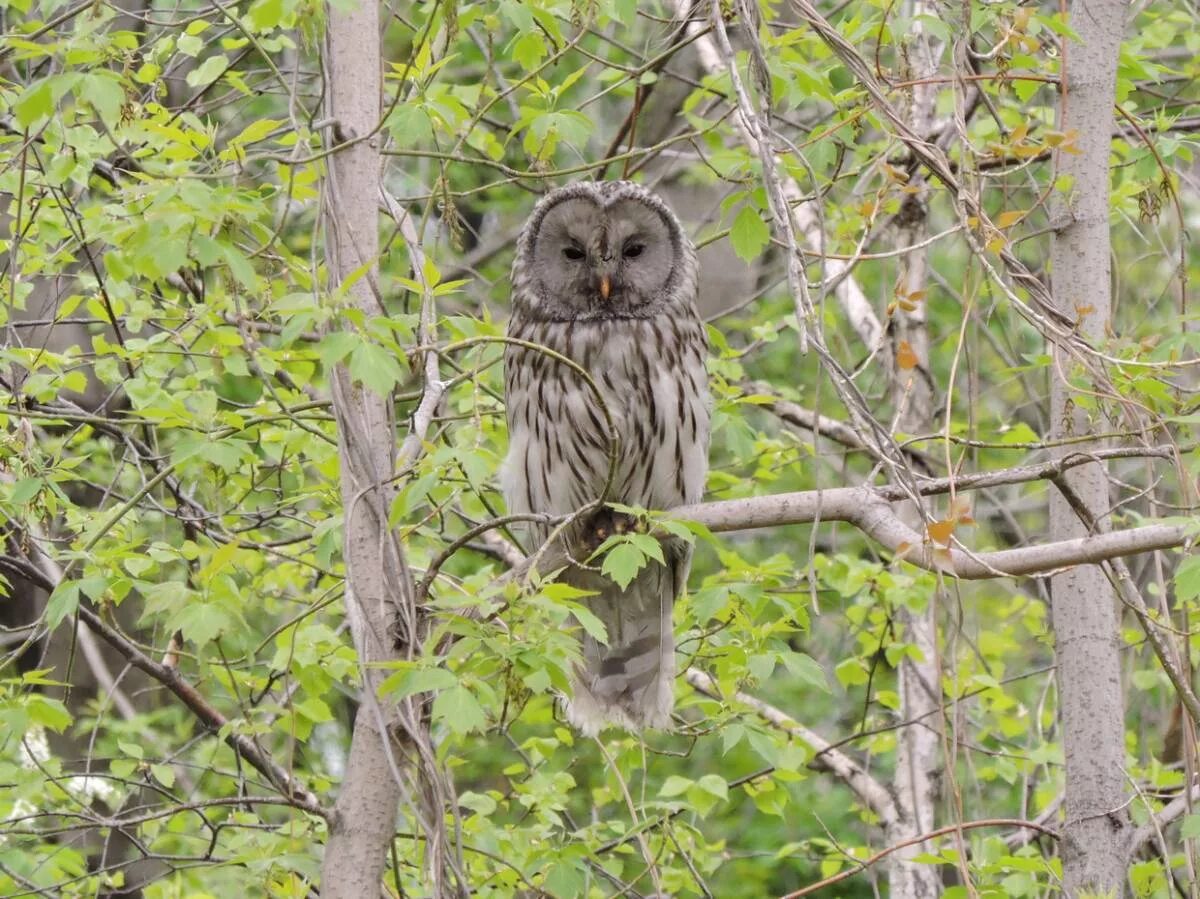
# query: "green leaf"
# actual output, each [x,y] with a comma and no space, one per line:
[1187,579]
[406,682]
[806,668]
[714,785]
[674,786]
[559,591]
[625,12]
[337,345]
[529,50]
[375,367]
[622,563]
[104,91]
[1024,88]
[265,14]
[63,602]
[202,622]
[707,792]
[314,709]
[480,803]
[538,681]
[133,750]
[26,489]
[35,102]
[190,45]
[851,672]
[589,622]
[459,710]
[164,774]
[519,14]
[761,666]
[731,735]
[764,744]
[47,712]
[749,234]
[565,879]
[648,546]
[1190,829]
[208,71]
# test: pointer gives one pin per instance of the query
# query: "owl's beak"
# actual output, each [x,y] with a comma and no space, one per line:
[605,286]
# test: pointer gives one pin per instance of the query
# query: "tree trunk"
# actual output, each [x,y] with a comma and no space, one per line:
[365,815]
[919,753]
[1083,605]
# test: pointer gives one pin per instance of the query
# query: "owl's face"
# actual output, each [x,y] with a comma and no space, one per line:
[599,250]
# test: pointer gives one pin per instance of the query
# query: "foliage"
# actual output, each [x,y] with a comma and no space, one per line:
[170,460]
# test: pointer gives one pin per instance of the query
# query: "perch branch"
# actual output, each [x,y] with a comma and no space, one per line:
[870,510]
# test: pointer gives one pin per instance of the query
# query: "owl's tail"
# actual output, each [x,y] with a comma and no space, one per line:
[631,681]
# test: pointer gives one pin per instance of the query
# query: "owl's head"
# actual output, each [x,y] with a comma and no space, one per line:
[596,250]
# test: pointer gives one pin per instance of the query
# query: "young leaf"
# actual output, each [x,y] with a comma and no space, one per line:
[458,709]
[622,563]
[749,234]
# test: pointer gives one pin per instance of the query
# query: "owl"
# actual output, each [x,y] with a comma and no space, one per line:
[605,276]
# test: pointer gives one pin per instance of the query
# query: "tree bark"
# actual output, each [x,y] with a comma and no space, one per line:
[918,753]
[364,819]
[1083,604]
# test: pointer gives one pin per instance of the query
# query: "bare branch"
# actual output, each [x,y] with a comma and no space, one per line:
[940,832]
[872,793]
[787,199]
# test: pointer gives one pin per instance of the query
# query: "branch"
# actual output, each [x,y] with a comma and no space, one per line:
[873,794]
[940,832]
[254,755]
[788,200]
[434,387]
[1041,312]
[1175,809]
[839,432]
[870,510]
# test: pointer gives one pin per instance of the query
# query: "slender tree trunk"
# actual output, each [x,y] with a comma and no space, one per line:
[365,815]
[1083,605]
[918,756]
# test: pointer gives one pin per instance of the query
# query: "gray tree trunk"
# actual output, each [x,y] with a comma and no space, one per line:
[919,753]
[364,822]
[1083,605]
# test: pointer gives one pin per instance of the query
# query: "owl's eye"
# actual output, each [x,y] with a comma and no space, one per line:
[573,253]
[634,250]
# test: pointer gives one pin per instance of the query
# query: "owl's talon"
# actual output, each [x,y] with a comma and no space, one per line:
[608,523]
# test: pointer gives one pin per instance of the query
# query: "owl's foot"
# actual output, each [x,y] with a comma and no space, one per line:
[607,522]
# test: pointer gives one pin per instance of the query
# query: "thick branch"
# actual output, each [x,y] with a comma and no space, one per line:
[870,510]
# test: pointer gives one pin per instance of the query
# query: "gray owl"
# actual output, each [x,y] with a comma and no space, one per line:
[605,276]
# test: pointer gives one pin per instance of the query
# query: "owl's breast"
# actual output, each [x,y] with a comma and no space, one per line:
[646,390]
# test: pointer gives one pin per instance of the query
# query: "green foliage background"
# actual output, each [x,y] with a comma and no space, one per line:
[161,169]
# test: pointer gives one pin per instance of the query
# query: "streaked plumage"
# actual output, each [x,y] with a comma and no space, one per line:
[605,276]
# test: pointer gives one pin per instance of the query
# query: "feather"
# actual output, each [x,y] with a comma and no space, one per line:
[644,353]
[630,681]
